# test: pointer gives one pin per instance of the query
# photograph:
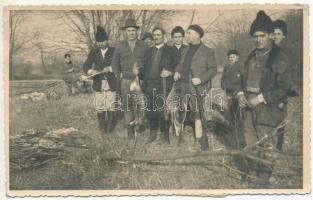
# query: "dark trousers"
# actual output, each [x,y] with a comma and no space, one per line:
[156,105]
[253,132]
[232,105]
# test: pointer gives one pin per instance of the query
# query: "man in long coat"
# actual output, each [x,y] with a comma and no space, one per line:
[104,84]
[128,53]
[263,97]
[157,76]
[196,68]
[279,31]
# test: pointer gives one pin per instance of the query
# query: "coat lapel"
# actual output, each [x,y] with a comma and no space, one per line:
[199,52]
[99,54]
[183,54]
[126,45]
[136,48]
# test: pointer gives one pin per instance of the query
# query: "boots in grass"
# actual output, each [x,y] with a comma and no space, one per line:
[102,121]
[152,136]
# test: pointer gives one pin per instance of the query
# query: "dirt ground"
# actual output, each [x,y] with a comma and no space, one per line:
[89,168]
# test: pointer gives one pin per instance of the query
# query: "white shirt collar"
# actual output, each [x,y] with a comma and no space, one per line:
[178,46]
[103,51]
[159,46]
[131,42]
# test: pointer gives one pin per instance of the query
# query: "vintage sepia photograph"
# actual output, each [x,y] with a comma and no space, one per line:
[168,99]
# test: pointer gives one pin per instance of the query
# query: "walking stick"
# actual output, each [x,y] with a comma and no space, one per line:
[164,111]
[204,137]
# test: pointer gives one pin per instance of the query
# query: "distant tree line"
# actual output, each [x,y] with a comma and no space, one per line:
[222,34]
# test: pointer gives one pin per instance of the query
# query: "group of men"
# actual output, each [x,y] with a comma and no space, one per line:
[157,67]
[259,88]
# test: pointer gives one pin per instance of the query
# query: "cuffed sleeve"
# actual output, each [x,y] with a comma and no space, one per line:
[115,64]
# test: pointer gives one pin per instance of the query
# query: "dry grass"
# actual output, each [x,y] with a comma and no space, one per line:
[89,169]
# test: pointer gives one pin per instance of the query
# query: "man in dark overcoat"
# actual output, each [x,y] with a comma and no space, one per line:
[128,53]
[104,84]
[263,97]
[157,76]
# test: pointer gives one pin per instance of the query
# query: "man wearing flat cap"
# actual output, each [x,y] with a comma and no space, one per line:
[196,68]
[128,54]
[263,98]
[98,66]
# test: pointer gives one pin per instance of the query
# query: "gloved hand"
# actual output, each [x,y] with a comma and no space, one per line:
[196,81]
[165,73]
[256,100]
[176,76]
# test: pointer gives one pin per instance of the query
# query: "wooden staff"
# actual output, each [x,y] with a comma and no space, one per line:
[204,137]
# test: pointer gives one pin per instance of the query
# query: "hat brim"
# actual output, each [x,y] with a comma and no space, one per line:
[125,27]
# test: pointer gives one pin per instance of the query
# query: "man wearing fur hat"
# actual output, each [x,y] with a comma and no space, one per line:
[128,54]
[263,97]
[98,67]
[196,68]
[279,31]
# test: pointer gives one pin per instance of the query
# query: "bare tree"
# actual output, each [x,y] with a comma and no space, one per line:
[82,24]
[17,41]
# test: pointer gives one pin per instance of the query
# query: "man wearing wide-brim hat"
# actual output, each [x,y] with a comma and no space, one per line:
[128,54]
[263,98]
[98,68]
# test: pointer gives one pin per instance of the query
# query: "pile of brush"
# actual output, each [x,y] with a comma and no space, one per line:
[33,148]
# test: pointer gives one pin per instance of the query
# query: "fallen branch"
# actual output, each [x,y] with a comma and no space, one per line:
[266,137]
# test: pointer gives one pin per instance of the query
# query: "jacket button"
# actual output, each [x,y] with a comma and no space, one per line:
[281,105]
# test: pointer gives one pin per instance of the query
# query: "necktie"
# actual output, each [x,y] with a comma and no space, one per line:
[156,53]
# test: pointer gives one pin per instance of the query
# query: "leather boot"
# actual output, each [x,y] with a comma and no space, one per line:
[264,175]
[130,132]
[197,143]
[100,121]
[110,122]
[152,136]
[105,122]
[165,130]
[165,138]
